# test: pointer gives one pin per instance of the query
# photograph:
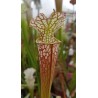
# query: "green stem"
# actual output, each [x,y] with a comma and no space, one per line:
[31,93]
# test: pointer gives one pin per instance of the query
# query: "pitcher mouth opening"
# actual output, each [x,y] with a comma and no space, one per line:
[56,41]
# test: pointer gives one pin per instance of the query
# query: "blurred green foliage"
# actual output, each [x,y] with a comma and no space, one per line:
[29,54]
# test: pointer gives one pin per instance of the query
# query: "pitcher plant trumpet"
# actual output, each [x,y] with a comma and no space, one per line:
[47,47]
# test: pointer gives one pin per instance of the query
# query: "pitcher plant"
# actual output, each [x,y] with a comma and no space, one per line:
[47,47]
